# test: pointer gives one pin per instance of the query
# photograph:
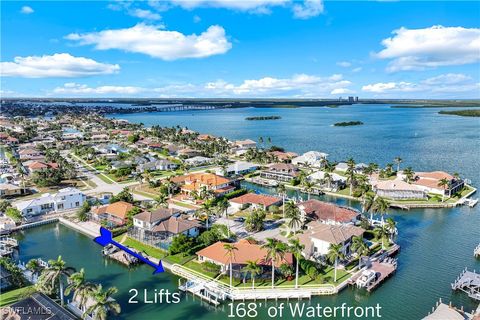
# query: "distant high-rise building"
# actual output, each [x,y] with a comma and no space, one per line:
[356,99]
[350,99]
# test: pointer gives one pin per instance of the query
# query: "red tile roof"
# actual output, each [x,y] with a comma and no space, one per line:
[252,198]
[327,211]
[246,251]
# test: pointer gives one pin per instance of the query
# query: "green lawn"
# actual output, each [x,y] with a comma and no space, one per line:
[199,268]
[179,258]
[12,296]
[148,250]
[326,277]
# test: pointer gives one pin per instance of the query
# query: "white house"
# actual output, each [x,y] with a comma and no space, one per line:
[239,167]
[198,160]
[310,158]
[336,181]
[245,144]
[65,199]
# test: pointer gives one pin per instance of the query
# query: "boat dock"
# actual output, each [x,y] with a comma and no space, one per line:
[121,256]
[468,202]
[476,251]
[468,282]
[7,246]
[371,277]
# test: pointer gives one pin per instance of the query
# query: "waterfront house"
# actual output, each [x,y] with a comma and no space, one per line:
[36,306]
[209,181]
[188,153]
[115,214]
[280,172]
[398,190]
[283,156]
[336,181]
[429,182]
[254,201]
[10,190]
[341,167]
[161,225]
[244,144]
[319,236]
[245,251]
[327,212]
[65,199]
[6,224]
[239,167]
[310,159]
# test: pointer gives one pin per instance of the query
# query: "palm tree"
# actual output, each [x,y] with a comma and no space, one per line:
[382,234]
[82,289]
[34,267]
[335,252]
[205,212]
[328,178]
[408,172]
[223,206]
[391,226]
[443,183]
[296,249]
[230,251]
[21,173]
[53,274]
[260,141]
[103,303]
[398,160]
[254,269]
[275,249]
[367,204]
[360,247]
[351,173]
[308,187]
[293,213]
[283,191]
[381,205]
[161,199]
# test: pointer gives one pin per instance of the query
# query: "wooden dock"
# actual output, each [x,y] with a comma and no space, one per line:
[119,255]
[382,269]
[468,282]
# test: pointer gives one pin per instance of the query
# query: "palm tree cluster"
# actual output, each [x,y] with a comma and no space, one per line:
[91,298]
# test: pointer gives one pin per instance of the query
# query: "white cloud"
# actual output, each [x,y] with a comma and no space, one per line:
[257,6]
[341,91]
[56,65]
[82,89]
[145,14]
[157,43]
[381,87]
[443,85]
[297,85]
[420,49]
[344,64]
[357,69]
[196,19]
[309,9]
[26,10]
[300,85]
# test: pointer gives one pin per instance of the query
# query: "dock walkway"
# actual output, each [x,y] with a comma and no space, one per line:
[468,282]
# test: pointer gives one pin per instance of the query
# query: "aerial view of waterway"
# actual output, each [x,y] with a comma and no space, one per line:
[436,244]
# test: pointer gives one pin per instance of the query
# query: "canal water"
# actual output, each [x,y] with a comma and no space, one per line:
[436,244]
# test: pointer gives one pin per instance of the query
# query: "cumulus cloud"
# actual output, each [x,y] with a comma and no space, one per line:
[439,86]
[309,9]
[341,91]
[144,14]
[82,89]
[26,10]
[300,85]
[158,43]
[56,65]
[437,46]
[297,85]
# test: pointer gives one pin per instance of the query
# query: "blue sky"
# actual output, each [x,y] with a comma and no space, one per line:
[228,48]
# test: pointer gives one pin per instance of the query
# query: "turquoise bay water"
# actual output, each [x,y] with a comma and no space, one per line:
[436,244]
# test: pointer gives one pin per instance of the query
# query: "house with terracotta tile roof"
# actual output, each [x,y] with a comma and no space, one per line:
[280,172]
[29,153]
[245,144]
[34,166]
[283,156]
[429,182]
[196,181]
[319,236]
[327,212]
[245,251]
[254,201]
[398,190]
[114,213]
